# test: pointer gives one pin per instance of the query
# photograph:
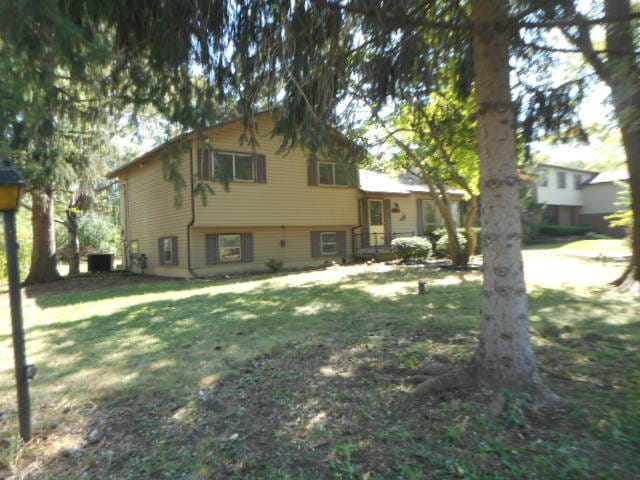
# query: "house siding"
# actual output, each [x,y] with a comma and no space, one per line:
[295,253]
[552,194]
[285,199]
[151,214]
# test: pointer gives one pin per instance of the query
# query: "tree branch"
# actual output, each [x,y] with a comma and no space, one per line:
[386,17]
[579,20]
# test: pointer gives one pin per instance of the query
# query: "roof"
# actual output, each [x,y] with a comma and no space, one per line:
[565,167]
[183,136]
[376,182]
[141,159]
[608,177]
[405,184]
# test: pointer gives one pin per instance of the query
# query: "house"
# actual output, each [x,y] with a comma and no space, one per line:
[575,196]
[288,207]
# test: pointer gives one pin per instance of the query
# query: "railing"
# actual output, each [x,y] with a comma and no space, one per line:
[374,242]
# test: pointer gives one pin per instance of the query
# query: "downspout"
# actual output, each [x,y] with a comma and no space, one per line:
[193,215]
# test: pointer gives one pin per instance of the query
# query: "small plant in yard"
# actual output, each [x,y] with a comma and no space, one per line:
[411,247]
[274,265]
[442,244]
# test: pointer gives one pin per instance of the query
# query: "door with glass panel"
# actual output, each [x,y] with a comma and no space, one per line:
[376,223]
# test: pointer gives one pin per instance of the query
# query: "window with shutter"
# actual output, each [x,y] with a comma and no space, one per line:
[168,251]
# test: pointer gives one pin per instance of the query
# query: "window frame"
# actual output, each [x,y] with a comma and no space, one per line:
[221,248]
[561,180]
[173,248]
[333,174]
[577,181]
[234,156]
[544,178]
[334,243]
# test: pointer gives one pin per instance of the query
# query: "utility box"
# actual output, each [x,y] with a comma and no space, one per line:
[100,262]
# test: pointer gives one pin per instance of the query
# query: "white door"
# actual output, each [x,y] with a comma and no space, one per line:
[376,223]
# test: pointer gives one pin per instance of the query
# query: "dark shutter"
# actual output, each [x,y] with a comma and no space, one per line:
[341,243]
[364,210]
[261,169]
[315,244]
[205,164]
[160,255]
[420,219]
[387,221]
[247,247]
[353,176]
[212,249]
[312,171]
[174,244]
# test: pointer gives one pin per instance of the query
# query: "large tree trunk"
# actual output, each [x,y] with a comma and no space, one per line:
[505,359]
[624,81]
[73,245]
[43,257]
[469,224]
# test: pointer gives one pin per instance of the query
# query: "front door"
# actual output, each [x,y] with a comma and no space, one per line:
[376,223]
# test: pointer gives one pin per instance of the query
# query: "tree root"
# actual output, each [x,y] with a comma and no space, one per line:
[452,379]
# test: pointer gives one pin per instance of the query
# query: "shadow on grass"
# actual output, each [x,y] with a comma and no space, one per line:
[313,389]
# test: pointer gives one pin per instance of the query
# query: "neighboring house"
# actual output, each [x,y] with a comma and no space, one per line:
[575,196]
[601,195]
[287,207]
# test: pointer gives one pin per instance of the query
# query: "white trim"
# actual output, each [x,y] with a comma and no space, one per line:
[234,155]
[333,175]
[334,243]
[221,248]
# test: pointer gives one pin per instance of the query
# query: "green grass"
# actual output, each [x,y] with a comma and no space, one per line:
[300,376]
[606,246]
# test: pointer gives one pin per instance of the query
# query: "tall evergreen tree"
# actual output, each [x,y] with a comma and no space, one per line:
[310,56]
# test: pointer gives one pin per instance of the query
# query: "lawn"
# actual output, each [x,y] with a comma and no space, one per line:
[302,376]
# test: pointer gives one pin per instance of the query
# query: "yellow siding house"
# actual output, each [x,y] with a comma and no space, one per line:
[278,206]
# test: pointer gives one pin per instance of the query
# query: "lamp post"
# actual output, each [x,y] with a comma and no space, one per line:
[11,184]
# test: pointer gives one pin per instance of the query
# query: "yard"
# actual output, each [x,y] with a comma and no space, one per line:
[302,376]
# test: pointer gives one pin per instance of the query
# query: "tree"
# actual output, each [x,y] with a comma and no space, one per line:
[437,142]
[310,57]
[619,68]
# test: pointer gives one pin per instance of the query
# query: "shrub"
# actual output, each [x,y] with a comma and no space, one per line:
[442,244]
[274,264]
[564,230]
[411,247]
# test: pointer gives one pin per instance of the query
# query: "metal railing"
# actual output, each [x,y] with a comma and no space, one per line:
[375,242]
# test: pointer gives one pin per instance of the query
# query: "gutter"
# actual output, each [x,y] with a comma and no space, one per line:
[193,215]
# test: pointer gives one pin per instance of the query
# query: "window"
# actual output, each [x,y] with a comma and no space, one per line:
[577,181]
[134,247]
[330,173]
[230,248]
[432,217]
[376,212]
[233,166]
[431,214]
[328,243]
[324,244]
[562,179]
[229,166]
[543,178]
[168,254]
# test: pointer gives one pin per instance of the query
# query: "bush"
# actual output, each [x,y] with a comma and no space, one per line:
[274,265]
[442,243]
[411,247]
[564,230]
